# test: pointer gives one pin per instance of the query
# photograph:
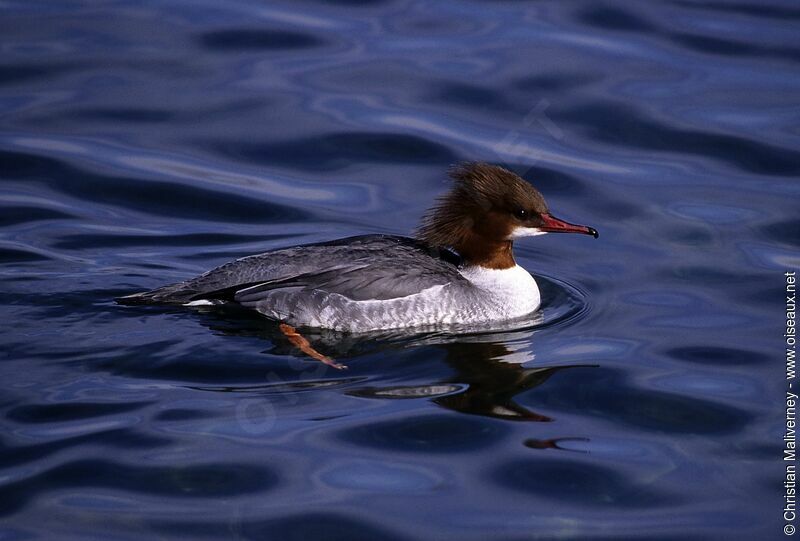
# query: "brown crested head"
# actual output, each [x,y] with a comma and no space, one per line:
[485,210]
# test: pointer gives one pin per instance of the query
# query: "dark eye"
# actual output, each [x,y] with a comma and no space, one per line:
[521,214]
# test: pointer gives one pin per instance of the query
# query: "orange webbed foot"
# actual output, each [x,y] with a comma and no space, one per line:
[305,346]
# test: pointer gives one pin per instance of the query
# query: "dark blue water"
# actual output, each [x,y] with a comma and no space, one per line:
[145,142]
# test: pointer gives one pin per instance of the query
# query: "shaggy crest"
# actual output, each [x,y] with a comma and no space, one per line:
[481,203]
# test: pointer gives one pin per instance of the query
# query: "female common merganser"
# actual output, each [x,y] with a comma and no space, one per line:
[459,269]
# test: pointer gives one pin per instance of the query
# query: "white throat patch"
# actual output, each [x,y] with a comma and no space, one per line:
[527,232]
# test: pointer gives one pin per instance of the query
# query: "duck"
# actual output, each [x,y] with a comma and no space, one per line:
[457,269]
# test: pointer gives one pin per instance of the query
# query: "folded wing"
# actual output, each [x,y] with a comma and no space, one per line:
[373,267]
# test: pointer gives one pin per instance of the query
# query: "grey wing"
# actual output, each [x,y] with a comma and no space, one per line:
[381,280]
[330,298]
[360,268]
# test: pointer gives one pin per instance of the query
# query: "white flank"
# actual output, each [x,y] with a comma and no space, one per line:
[201,302]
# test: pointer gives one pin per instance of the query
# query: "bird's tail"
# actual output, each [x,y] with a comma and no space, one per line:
[173,294]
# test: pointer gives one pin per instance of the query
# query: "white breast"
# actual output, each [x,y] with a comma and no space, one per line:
[510,292]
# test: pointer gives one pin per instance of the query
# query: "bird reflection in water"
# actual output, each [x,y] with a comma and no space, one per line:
[555,443]
[487,371]
[485,382]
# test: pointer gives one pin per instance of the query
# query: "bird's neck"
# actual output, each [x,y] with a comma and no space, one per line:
[497,254]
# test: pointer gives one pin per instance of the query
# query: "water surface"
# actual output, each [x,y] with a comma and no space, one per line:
[146,142]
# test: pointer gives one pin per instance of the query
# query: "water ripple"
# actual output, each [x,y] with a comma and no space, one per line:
[581,483]
[619,124]
[245,39]
[210,480]
[143,143]
[336,150]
